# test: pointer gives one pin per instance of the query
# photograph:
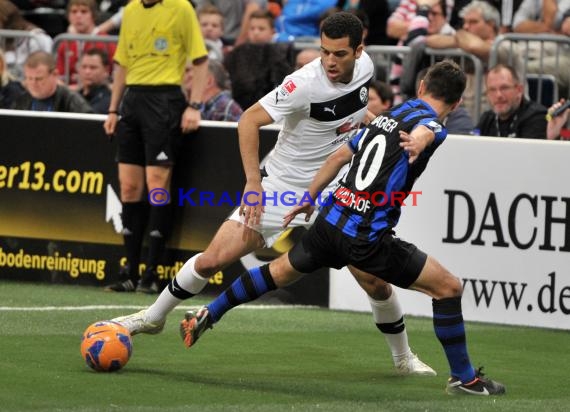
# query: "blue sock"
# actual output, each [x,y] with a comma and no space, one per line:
[450,330]
[249,286]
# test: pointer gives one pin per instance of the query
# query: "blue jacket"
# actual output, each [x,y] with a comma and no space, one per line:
[300,18]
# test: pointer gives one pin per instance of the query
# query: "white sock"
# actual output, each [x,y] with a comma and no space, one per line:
[188,279]
[389,311]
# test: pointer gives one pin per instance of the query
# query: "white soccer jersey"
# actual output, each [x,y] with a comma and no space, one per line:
[318,116]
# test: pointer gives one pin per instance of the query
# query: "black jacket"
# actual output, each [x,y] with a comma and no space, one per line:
[64,100]
[98,98]
[256,69]
[9,93]
[529,122]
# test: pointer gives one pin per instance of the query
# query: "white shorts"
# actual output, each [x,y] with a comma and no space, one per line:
[280,199]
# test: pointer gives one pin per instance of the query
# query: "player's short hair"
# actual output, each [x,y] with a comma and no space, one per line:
[445,81]
[343,24]
[362,16]
[38,58]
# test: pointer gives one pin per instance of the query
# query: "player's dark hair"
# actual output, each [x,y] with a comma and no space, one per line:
[343,24]
[445,81]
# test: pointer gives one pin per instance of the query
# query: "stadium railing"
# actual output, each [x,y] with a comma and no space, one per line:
[470,64]
[382,56]
[17,36]
[538,46]
[66,38]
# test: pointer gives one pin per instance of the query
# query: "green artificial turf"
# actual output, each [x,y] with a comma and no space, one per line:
[256,359]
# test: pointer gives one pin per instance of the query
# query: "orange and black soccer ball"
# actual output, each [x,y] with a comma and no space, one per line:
[106,346]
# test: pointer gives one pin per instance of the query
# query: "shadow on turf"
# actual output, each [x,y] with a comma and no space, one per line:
[327,387]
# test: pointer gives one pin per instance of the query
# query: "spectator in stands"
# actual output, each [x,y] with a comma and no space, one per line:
[300,18]
[376,11]
[212,26]
[507,9]
[10,88]
[17,50]
[539,16]
[459,121]
[261,27]
[380,97]
[218,102]
[94,79]
[565,23]
[81,15]
[275,7]
[113,23]
[43,92]
[306,56]
[481,22]
[545,16]
[236,17]
[512,115]
[399,21]
[429,18]
[555,128]
[256,67]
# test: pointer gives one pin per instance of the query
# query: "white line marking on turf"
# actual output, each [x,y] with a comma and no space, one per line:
[131,307]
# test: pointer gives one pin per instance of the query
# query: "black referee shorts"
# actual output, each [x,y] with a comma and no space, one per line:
[149,132]
[389,258]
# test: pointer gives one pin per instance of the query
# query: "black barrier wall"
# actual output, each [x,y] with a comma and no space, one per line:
[60,210]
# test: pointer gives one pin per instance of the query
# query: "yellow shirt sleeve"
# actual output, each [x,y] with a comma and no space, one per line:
[196,46]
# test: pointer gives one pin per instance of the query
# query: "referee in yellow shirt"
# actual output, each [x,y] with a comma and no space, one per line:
[156,40]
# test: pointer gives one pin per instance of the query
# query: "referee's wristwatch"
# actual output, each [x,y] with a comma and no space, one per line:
[196,106]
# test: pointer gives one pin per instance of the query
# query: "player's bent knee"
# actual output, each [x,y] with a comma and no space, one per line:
[379,290]
[208,264]
[451,287]
[282,272]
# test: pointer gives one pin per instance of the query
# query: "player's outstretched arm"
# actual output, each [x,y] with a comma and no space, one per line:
[415,142]
[328,171]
